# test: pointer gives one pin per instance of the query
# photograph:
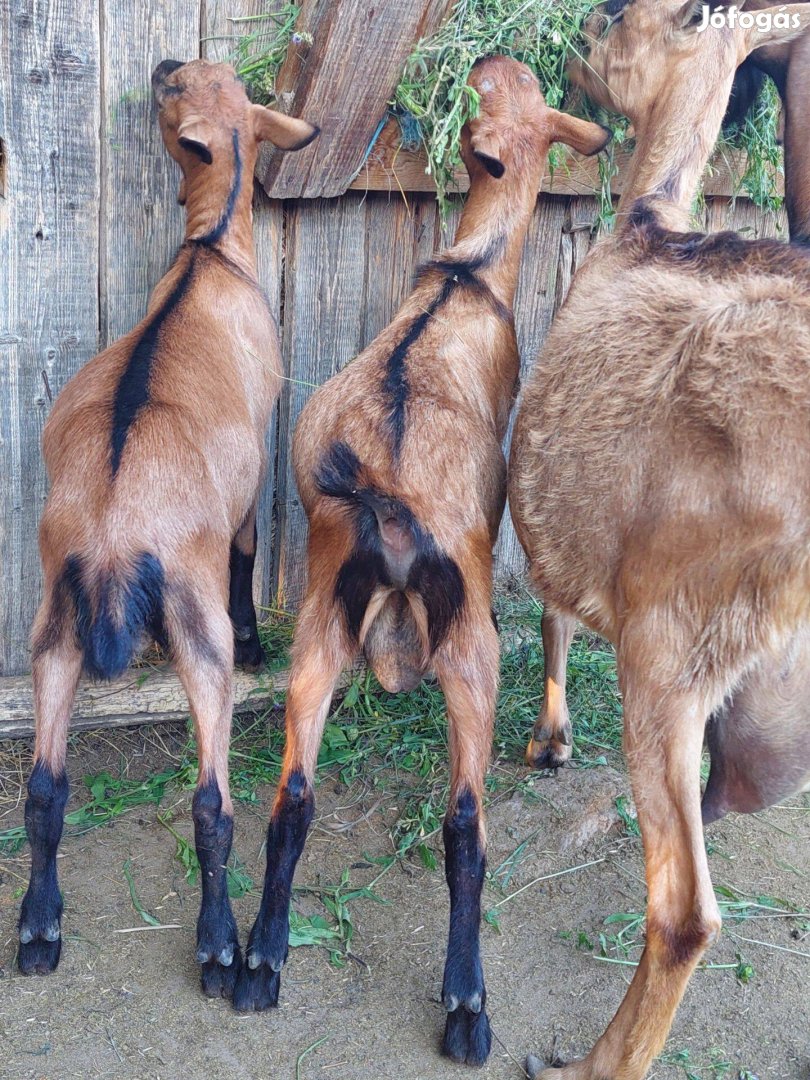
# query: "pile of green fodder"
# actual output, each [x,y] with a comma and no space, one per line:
[433,100]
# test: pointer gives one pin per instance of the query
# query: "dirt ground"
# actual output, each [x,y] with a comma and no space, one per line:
[127,1004]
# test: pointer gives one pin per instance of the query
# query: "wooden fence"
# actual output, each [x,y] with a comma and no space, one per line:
[89,222]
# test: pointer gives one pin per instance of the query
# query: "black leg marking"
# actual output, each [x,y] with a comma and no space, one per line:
[467,1036]
[41,914]
[217,939]
[258,985]
[248,652]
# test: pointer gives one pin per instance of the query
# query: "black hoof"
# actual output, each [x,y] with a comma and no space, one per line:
[38,956]
[256,989]
[467,1036]
[248,654]
[218,979]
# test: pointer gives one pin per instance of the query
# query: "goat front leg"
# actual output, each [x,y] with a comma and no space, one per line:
[55,671]
[319,656]
[467,669]
[663,743]
[248,652]
[551,742]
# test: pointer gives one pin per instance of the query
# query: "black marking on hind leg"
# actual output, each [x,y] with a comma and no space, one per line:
[248,652]
[41,914]
[467,1034]
[438,580]
[217,938]
[268,945]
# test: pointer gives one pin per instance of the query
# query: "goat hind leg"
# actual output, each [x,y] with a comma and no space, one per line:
[663,741]
[467,668]
[248,652]
[202,652]
[55,671]
[551,742]
[318,658]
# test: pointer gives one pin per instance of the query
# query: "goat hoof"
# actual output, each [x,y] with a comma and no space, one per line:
[248,653]
[219,977]
[549,747]
[467,1036]
[256,989]
[38,955]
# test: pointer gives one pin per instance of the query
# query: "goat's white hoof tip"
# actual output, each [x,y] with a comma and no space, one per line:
[26,936]
[254,961]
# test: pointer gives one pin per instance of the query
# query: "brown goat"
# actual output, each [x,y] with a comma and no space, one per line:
[660,485]
[399,465]
[788,64]
[155,453]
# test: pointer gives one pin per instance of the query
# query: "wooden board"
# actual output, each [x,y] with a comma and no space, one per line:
[343,82]
[389,167]
[141,696]
[141,223]
[49,319]
[324,304]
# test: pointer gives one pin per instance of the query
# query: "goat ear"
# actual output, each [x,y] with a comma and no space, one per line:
[581,135]
[690,13]
[487,149]
[194,135]
[785,23]
[285,132]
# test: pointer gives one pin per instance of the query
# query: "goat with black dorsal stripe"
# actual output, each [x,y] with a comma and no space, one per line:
[400,469]
[155,453]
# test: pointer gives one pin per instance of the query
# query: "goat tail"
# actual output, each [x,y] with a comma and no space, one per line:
[399,591]
[113,610]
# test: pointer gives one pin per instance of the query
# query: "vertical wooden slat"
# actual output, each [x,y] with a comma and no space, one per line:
[218,31]
[324,295]
[141,223]
[400,236]
[49,123]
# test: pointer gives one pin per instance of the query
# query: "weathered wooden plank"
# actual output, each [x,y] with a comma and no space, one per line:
[324,300]
[401,235]
[141,223]
[343,84]
[49,125]
[746,218]
[219,34]
[142,696]
[390,167]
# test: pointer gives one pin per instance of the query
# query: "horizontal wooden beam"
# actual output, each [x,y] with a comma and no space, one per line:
[142,696]
[340,72]
[390,167]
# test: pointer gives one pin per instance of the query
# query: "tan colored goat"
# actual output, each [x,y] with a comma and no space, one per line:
[400,469]
[660,485]
[155,453]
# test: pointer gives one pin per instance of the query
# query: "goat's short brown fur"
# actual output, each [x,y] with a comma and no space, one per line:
[155,452]
[660,485]
[399,466]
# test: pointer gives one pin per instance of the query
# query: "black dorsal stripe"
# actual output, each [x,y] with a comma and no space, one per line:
[218,231]
[132,392]
[458,273]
